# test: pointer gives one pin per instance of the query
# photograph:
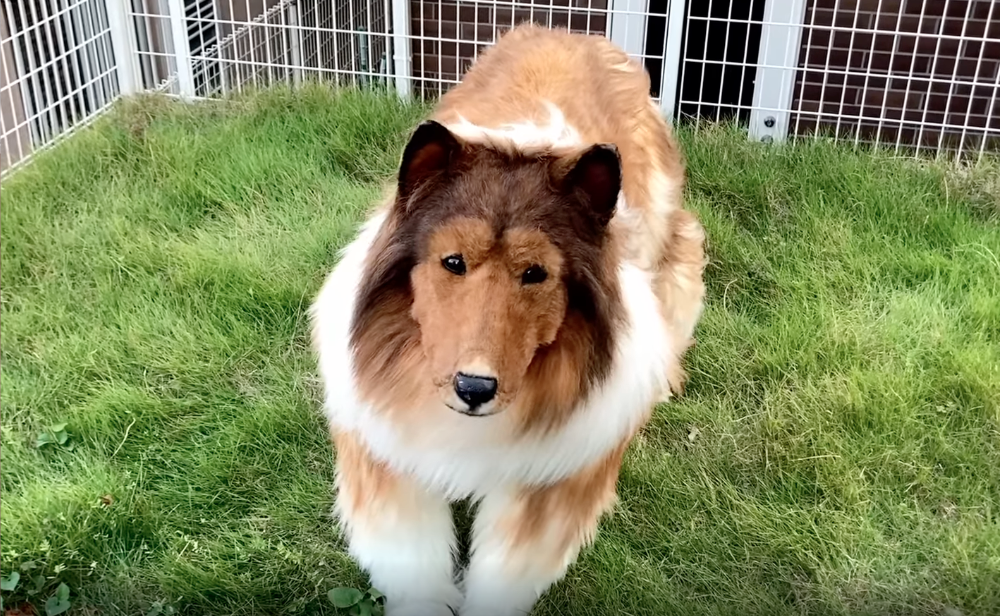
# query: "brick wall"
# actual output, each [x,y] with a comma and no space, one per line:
[883,80]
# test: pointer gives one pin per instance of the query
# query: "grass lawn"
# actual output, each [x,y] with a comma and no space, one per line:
[837,450]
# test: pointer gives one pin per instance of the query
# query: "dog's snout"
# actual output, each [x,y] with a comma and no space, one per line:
[475,390]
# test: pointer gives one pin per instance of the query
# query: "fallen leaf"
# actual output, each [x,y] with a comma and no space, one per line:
[693,433]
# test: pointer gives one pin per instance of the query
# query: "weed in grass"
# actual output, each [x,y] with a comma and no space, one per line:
[59,602]
[356,603]
[54,435]
[837,450]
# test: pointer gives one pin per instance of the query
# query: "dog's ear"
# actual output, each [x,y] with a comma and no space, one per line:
[595,176]
[431,149]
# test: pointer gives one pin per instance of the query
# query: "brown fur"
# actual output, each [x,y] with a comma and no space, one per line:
[505,86]
[487,315]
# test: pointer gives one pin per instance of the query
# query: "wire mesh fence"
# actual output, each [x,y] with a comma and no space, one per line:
[913,75]
[57,71]
[904,73]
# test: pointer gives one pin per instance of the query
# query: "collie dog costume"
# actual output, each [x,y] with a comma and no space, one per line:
[504,323]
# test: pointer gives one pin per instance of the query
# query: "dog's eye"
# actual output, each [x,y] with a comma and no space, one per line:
[534,275]
[454,264]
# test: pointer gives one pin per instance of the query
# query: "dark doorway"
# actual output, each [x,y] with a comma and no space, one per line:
[719,54]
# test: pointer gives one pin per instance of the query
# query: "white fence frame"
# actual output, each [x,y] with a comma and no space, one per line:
[780,45]
[66,61]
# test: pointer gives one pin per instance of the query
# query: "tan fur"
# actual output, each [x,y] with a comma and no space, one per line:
[559,65]
[411,382]
[549,525]
[457,333]
[507,86]
[364,483]
[486,321]
[680,286]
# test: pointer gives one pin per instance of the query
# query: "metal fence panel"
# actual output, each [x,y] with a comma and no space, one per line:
[913,75]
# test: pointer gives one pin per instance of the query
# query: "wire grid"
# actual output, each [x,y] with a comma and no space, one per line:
[57,72]
[921,76]
[292,40]
[258,43]
[448,35]
[719,59]
[912,74]
[157,62]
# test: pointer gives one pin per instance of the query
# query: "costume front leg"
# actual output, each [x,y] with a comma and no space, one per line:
[524,539]
[400,533]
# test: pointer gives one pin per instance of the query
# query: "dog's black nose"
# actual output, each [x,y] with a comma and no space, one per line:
[475,390]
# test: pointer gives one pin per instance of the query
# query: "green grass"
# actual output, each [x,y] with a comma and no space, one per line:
[837,451]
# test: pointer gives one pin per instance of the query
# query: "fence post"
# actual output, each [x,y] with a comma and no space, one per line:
[777,63]
[182,48]
[627,26]
[295,44]
[123,44]
[401,59]
[672,60]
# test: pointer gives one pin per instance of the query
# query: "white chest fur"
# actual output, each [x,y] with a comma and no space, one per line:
[458,455]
